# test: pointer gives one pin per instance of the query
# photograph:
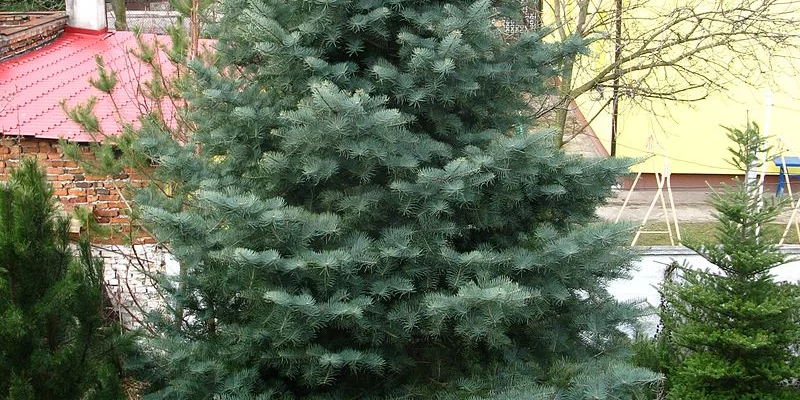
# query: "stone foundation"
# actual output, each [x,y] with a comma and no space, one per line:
[130,274]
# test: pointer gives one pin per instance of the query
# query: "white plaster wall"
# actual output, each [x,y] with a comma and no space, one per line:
[130,273]
[650,273]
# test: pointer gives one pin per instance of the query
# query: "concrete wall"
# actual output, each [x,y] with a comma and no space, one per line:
[130,273]
[650,274]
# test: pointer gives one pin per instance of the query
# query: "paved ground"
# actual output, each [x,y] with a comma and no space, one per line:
[690,206]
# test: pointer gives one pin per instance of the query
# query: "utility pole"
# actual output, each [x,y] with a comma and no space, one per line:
[617,72]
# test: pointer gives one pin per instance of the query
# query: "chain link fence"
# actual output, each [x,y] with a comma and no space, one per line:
[531,20]
[157,16]
[147,16]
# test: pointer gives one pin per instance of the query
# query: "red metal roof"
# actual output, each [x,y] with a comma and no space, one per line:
[33,85]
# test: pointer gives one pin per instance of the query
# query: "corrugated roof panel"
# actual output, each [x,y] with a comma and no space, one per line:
[33,85]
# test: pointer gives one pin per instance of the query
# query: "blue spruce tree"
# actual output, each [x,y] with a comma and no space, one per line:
[356,219]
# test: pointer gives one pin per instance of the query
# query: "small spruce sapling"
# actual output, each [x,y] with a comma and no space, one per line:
[734,331]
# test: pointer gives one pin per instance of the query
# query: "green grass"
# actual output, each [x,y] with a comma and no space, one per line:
[700,231]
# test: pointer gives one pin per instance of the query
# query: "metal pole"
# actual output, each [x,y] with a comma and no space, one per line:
[617,71]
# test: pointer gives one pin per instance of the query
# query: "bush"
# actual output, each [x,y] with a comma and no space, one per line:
[54,341]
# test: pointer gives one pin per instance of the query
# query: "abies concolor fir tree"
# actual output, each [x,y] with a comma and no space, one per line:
[356,218]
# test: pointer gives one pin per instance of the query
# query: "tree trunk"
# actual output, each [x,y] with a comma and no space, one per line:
[194,29]
[564,87]
[120,17]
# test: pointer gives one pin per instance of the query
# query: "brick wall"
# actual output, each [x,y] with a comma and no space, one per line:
[129,271]
[22,32]
[72,185]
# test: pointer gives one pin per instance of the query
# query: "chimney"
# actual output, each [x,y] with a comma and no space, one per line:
[89,15]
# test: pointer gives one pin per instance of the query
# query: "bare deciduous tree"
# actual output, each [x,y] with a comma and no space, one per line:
[678,50]
[120,15]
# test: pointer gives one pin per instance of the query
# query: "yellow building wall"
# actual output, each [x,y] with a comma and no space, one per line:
[691,135]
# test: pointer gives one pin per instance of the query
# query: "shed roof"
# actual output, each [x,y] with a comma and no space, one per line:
[33,85]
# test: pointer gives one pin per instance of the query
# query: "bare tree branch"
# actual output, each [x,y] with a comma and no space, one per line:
[680,52]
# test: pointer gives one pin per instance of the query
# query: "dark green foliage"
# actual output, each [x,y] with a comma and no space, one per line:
[652,353]
[54,342]
[32,5]
[355,218]
[734,332]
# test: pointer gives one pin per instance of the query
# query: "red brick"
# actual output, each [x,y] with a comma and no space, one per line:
[117,204]
[37,31]
[106,212]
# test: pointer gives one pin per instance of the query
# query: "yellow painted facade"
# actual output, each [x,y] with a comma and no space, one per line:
[691,135]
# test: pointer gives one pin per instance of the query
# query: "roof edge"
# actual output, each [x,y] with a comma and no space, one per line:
[85,31]
[23,32]
[587,129]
